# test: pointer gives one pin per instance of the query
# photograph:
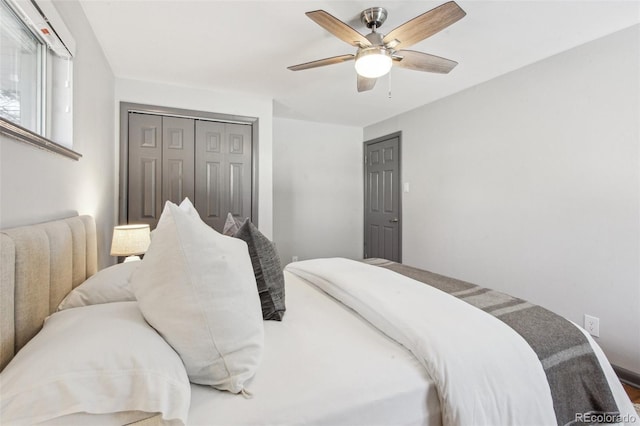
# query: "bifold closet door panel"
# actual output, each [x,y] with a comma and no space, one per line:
[239,156]
[223,171]
[177,159]
[145,169]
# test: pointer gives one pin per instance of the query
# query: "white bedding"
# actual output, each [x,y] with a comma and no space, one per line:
[326,364]
[485,372]
[358,376]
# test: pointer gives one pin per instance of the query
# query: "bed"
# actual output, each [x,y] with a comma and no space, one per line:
[335,358]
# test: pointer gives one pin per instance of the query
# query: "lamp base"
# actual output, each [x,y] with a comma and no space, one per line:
[131,259]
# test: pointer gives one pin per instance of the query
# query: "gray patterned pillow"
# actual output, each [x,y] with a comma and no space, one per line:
[267,270]
[232,224]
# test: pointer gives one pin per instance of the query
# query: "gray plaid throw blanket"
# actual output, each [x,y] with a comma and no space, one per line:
[579,388]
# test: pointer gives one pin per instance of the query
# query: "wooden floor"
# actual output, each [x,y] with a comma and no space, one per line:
[634,393]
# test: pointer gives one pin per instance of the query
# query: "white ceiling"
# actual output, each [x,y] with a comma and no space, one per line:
[246,46]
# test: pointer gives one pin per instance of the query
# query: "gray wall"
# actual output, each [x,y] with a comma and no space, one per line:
[317,190]
[529,184]
[36,185]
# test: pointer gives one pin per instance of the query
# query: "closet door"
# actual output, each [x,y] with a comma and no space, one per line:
[177,159]
[145,169]
[223,171]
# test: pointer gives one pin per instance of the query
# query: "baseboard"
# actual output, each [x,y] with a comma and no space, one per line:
[626,376]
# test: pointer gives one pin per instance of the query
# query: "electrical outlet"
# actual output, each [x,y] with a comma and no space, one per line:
[294,259]
[592,325]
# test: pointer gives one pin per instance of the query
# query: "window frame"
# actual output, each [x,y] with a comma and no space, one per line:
[22,134]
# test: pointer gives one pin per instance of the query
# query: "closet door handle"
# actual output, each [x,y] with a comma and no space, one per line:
[394,220]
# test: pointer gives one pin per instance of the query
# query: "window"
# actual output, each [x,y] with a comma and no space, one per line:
[20,76]
[36,75]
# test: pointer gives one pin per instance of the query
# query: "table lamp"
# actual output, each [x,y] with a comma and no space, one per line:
[130,241]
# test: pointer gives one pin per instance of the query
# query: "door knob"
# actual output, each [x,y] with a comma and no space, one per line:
[394,220]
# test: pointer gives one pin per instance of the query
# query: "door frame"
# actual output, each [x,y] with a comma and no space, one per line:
[365,144]
[127,107]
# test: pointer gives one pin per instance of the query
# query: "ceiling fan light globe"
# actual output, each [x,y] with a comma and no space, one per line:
[373,62]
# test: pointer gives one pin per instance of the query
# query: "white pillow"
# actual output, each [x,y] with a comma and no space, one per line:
[197,288]
[97,359]
[187,207]
[107,285]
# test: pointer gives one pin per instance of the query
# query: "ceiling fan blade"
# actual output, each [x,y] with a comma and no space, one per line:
[425,25]
[420,61]
[322,62]
[365,83]
[338,28]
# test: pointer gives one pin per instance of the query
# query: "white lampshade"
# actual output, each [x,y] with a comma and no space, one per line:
[373,62]
[130,240]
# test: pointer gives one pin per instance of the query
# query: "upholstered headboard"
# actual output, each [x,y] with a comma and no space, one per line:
[40,264]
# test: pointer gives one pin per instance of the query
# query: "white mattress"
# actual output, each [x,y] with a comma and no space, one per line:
[323,364]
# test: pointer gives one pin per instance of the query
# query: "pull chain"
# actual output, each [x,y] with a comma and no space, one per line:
[389,84]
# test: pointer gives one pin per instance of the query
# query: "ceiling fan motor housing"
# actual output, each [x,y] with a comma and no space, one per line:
[375,39]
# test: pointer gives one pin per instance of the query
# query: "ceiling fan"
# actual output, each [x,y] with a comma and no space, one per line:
[377,52]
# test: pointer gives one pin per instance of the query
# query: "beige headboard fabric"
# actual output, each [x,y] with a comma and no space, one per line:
[40,264]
